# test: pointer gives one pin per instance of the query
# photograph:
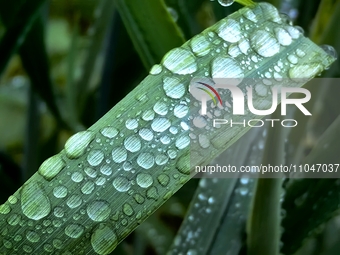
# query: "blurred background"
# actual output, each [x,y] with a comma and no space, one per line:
[65,63]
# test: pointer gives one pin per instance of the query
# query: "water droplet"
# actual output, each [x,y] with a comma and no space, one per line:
[58,212]
[293,32]
[103,240]
[87,188]
[145,160]
[160,108]
[27,248]
[12,199]
[224,3]
[74,201]
[182,142]
[127,209]
[180,61]
[163,179]
[172,154]
[14,219]
[293,59]
[203,141]
[305,71]
[200,45]
[77,177]
[32,236]
[5,209]
[34,203]
[121,184]
[230,30]
[144,180]
[106,170]
[300,53]
[156,69]
[199,122]
[244,46]
[261,90]
[250,15]
[234,51]
[146,134]
[51,167]
[132,143]
[152,193]
[74,230]
[173,87]
[95,157]
[330,51]
[183,164]
[264,43]
[283,36]
[161,159]
[270,12]
[148,115]
[109,132]
[60,191]
[225,67]
[77,144]
[100,181]
[131,124]
[57,243]
[181,110]
[243,191]
[160,124]
[91,172]
[139,198]
[191,252]
[98,210]
[119,154]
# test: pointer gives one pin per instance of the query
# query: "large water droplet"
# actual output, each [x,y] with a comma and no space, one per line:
[51,167]
[119,154]
[74,230]
[160,108]
[132,143]
[34,202]
[225,67]
[77,177]
[95,157]
[182,142]
[98,210]
[181,110]
[121,184]
[226,2]
[283,36]
[264,43]
[91,172]
[173,87]
[180,61]
[145,160]
[32,236]
[200,45]
[148,115]
[106,170]
[146,134]
[160,124]
[230,31]
[144,180]
[87,188]
[131,124]
[74,201]
[77,144]
[103,240]
[109,132]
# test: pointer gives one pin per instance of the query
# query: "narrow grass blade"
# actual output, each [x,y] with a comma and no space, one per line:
[317,198]
[111,177]
[151,28]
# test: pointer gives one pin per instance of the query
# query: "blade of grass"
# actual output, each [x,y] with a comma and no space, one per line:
[151,28]
[84,189]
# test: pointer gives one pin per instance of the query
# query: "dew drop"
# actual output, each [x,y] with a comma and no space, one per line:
[121,184]
[32,236]
[204,141]
[226,2]
[132,143]
[14,219]
[145,160]
[148,115]
[98,210]
[103,240]
[77,177]
[74,201]
[225,67]
[74,230]
[12,199]
[106,170]
[156,69]
[90,172]
[305,71]
[127,209]
[250,15]
[160,108]
[58,212]
[264,43]
[173,87]
[60,191]
[139,198]
[200,45]
[131,124]
[95,157]
[51,167]
[183,164]
[87,188]
[230,31]
[261,90]
[152,193]
[4,209]
[146,134]
[182,142]
[293,59]
[160,124]
[161,159]
[163,179]
[181,110]
[109,132]
[144,180]
[34,203]
[244,46]
[283,36]
[180,61]
[77,144]
[119,154]
[330,51]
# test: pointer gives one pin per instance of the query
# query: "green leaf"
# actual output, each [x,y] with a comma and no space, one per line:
[111,177]
[151,28]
